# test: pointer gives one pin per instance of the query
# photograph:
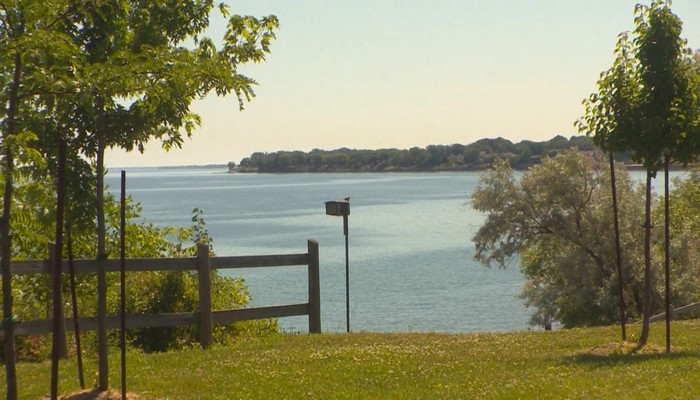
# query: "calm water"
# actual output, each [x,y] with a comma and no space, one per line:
[411,266]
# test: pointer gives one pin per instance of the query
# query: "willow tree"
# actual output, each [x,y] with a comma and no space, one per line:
[555,219]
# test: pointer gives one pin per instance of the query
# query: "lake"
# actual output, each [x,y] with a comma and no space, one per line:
[411,266]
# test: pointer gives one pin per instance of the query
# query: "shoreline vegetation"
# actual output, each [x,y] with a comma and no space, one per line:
[477,156]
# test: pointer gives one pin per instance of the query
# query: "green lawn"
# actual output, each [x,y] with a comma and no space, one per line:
[575,364]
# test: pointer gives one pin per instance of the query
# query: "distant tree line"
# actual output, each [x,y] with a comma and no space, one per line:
[456,157]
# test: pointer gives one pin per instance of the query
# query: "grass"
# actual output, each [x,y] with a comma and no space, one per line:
[573,364]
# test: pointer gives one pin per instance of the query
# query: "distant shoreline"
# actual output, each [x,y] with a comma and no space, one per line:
[203,166]
[629,167]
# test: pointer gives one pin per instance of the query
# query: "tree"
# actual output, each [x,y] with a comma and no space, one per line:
[133,50]
[27,42]
[647,105]
[114,73]
[611,120]
[555,220]
[667,105]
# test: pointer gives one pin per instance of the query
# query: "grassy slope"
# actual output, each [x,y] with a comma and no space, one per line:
[538,365]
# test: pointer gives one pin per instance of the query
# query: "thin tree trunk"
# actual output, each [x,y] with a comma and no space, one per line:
[644,337]
[103,367]
[618,251]
[667,261]
[6,238]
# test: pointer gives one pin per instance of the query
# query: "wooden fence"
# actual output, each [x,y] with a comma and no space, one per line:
[205,317]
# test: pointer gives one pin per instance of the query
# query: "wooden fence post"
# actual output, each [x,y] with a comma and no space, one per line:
[205,317]
[62,342]
[314,289]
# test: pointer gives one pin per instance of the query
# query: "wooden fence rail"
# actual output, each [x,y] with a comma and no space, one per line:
[205,317]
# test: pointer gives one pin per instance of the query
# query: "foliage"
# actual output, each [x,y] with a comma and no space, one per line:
[147,292]
[113,73]
[475,156]
[555,219]
[685,242]
[573,364]
[648,104]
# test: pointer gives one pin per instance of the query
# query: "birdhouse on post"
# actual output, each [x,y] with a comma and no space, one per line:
[342,209]
[338,208]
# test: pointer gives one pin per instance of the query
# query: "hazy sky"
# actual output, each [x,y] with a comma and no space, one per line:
[403,73]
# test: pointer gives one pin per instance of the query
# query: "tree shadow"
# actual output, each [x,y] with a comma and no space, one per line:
[617,353]
[96,394]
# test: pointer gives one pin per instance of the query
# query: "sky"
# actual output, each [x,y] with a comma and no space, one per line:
[369,74]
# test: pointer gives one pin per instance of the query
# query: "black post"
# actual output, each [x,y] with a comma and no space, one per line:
[74,305]
[57,314]
[122,294]
[667,258]
[347,274]
[618,249]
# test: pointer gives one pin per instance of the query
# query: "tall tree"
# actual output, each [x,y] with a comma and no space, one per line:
[646,105]
[119,73]
[138,82]
[667,109]
[28,43]
[610,118]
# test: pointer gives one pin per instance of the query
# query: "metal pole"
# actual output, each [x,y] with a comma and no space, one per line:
[74,304]
[667,259]
[347,274]
[56,284]
[122,264]
[618,249]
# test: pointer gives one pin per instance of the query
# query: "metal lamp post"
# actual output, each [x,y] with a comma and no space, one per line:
[338,209]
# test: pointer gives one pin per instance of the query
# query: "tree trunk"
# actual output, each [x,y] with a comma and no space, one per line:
[667,260]
[103,367]
[618,251]
[644,337]
[6,237]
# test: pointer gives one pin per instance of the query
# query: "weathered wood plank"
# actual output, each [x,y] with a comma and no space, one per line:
[38,327]
[677,311]
[30,267]
[314,288]
[279,260]
[206,326]
[165,264]
[90,266]
[243,314]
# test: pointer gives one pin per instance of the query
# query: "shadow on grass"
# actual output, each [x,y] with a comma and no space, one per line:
[95,394]
[614,354]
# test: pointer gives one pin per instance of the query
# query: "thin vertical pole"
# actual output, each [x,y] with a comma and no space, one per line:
[122,276]
[618,250]
[57,309]
[347,274]
[74,305]
[667,261]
